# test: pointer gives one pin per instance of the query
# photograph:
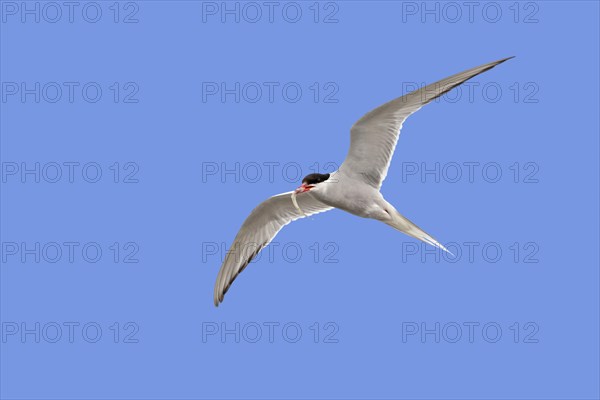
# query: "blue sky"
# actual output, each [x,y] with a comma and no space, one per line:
[136,137]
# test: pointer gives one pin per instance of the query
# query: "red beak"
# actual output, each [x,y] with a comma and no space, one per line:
[303,188]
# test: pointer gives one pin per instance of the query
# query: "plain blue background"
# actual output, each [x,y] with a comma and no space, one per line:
[171,213]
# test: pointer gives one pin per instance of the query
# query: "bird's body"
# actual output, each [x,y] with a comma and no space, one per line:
[353,188]
[351,195]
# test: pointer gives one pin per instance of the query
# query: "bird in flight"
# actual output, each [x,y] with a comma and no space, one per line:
[354,187]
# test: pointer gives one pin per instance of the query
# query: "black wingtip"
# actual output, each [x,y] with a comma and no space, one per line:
[505,59]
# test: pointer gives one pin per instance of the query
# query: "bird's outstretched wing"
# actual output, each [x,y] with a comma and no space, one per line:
[373,138]
[261,226]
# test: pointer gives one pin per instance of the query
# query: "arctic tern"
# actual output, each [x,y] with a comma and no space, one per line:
[354,187]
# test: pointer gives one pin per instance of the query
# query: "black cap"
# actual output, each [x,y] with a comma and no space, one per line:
[313,179]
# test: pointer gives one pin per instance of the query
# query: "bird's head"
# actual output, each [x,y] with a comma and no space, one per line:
[311,181]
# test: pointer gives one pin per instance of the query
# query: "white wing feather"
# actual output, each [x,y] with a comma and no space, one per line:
[257,231]
[373,138]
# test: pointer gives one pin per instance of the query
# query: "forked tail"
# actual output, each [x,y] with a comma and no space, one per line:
[403,224]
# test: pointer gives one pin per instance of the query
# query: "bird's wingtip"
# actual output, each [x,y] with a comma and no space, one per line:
[505,59]
[217,298]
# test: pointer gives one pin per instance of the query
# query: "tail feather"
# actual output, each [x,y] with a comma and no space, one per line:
[404,225]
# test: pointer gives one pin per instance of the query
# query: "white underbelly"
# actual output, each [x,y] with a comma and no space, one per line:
[356,198]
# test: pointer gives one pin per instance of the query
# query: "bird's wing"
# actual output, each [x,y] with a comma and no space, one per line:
[261,226]
[373,138]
